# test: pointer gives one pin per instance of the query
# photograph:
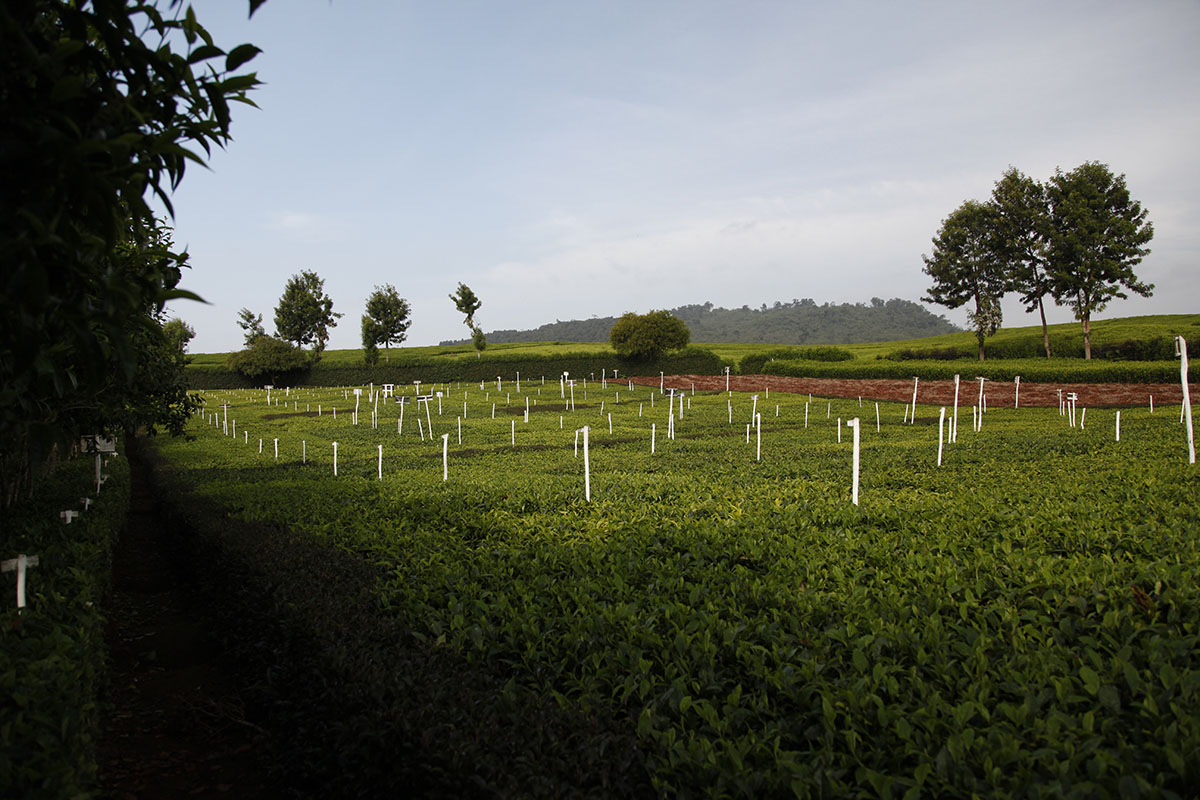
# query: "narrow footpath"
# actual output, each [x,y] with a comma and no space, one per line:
[175,721]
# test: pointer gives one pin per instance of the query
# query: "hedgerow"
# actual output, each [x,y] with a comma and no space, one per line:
[1032,370]
[753,363]
[456,367]
[52,652]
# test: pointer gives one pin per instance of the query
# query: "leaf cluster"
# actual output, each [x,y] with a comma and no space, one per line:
[641,337]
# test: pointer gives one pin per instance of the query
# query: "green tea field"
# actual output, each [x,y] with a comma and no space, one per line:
[1022,619]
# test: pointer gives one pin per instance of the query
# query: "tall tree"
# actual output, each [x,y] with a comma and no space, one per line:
[467,303]
[1097,235]
[965,268]
[305,313]
[104,103]
[251,324]
[386,321]
[1020,242]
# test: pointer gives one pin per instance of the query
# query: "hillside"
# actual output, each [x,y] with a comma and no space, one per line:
[795,322]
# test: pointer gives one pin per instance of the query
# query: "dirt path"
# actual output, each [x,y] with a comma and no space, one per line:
[175,724]
[999,393]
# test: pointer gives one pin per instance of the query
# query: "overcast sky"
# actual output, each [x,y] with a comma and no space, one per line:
[568,160]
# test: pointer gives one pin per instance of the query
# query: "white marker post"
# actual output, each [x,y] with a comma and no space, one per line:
[1181,351]
[587,468]
[1118,426]
[877,417]
[303,451]
[855,461]
[652,437]
[335,459]
[758,436]
[276,449]
[459,430]
[1017,392]
[445,451]
[380,464]
[954,424]
[941,428]
[916,381]
[514,433]
[19,565]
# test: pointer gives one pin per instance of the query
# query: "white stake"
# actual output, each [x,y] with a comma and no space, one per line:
[1118,426]
[758,436]
[1181,351]
[854,486]
[276,449]
[916,380]
[954,424]
[459,430]
[941,429]
[514,433]
[839,426]
[1017,393]
[587,468]
[445,450]
[1151,404]
[610,424]
[877,417]
[652,436]
[19,565]
[303,451]
[335,459]
[380,467]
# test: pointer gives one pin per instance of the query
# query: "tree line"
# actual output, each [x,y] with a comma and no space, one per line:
[1074,239]
[305,316]
[799,322]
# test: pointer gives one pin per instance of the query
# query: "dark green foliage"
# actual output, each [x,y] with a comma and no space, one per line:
[178,334]
[1098,234]
[1030,369]
[468,303]
[754,362]
[104,104]
[794,322]
[1157,348]
[52,653]
[1021,231]
[691,361]
[361,706]
[385,323]
[641,337]
[251,324]
[966,268]
[268,360]
[305,313]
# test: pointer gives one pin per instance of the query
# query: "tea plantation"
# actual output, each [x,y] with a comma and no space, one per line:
[1022,620]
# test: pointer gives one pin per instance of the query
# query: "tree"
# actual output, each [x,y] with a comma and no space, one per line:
[1022,228]
[252,324]
[104,104]
[467,303]
[1097,234]
[305,313]
[386,320]
[178,334]
[965,267]
[268,357]
[648,336]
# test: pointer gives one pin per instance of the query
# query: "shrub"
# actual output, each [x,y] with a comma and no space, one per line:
[52,659]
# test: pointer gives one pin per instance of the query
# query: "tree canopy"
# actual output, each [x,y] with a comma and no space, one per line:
[1077,239]
[386,321]
[647,336]
[305,313]
[467,303]
[965,267]
[1097,235]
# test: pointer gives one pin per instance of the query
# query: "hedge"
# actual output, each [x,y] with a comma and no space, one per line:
[1157,348]
[1032,370]
[692,360]
[754,362]
[52,656]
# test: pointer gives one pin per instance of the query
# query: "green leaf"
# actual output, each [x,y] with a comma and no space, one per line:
[240,55]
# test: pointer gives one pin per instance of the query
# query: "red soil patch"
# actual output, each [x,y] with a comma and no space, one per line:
[999,393]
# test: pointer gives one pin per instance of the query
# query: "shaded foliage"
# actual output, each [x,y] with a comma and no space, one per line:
[641,337]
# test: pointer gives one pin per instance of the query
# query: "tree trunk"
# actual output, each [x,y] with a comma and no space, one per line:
[1045,330]
[979,336]
[1087,336]
[387,352]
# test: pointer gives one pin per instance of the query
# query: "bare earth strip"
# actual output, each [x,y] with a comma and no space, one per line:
[999,393]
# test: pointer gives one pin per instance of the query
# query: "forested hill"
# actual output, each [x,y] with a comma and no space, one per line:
[797,322]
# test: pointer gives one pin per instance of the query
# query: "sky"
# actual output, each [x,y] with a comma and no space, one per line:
[570,160]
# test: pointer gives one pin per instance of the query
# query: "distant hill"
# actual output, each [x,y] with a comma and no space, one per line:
[797,322]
